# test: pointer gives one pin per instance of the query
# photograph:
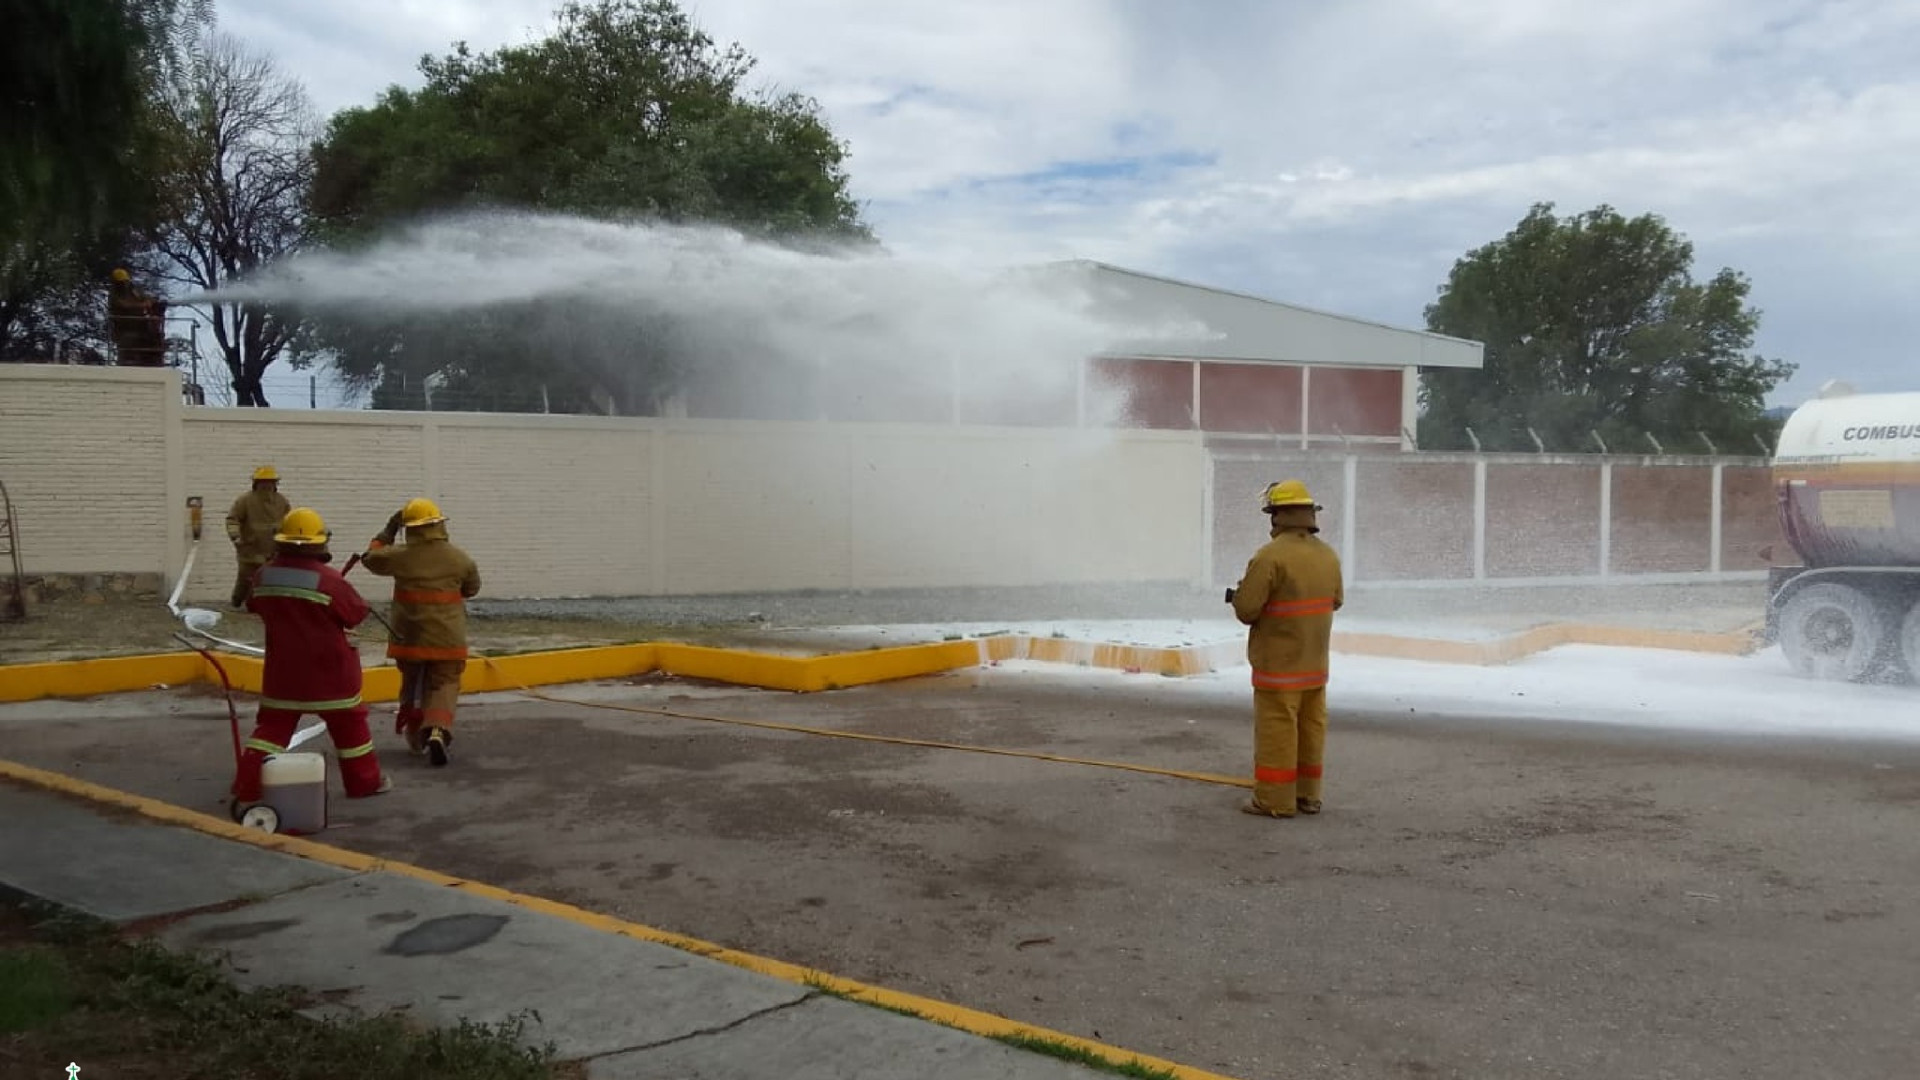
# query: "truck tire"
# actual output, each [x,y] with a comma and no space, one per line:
[1910,641]
[1831,631]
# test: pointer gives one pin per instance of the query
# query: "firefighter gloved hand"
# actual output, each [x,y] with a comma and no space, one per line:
[392,530]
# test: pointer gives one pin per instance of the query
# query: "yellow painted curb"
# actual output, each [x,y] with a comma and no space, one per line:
[529,669]
[106,675]
[1526,643]
[941,1012]
[1735,643]
[809,674]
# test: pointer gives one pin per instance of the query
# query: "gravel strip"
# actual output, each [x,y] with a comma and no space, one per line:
[896,606]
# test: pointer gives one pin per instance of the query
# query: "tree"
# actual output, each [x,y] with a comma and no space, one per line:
[79,151]
[1593,324]
[629,112]
[243,132]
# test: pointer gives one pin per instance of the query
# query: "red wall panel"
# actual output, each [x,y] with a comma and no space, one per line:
[1158,393]
[1361,401]
[1259,399]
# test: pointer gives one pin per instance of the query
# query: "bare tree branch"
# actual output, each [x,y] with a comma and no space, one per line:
[243,130]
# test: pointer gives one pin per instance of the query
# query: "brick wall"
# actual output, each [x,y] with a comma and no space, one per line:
[1239,527]
[100,463]
[84,455]
[1413,520]
[1662,519]
[1751,521]
[1414,515]
[590,506]
[355,468]
[1543,520]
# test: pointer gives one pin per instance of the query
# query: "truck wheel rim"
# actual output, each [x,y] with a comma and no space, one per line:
[1829,631]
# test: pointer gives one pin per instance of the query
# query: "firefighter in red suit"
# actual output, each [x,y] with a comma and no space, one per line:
[311,667]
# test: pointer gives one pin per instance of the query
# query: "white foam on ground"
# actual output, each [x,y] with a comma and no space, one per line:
[1152,633]
[1159,633]
[1590,684]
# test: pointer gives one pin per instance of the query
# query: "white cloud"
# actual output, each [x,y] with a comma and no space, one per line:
[1336,154]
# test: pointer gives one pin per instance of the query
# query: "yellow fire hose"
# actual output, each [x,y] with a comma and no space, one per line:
[893,740]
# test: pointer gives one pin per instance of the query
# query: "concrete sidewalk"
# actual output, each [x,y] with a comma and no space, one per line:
[378,940]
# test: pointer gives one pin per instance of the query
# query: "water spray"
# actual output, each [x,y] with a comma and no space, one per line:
[755,318]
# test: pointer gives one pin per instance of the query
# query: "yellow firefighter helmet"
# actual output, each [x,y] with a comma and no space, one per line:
[421,512]
[120,275]
[1287,493]
[265,472]
[302,525]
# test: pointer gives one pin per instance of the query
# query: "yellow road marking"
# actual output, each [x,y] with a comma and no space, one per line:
[972,1021]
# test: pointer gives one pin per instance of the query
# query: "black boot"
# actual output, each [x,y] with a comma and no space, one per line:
[438,740]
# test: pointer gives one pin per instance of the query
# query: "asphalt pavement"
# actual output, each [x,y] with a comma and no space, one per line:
[377,941]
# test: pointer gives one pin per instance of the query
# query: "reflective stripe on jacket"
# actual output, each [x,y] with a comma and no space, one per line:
[432,582]
[1288,596]
[307,607]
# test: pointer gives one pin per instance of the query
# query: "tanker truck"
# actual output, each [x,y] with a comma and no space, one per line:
[1846,476]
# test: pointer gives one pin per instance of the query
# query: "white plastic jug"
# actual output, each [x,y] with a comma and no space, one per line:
[295,787]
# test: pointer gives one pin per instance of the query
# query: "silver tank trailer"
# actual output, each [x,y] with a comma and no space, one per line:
[1847,479]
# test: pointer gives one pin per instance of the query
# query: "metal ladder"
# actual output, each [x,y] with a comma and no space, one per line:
[13,586]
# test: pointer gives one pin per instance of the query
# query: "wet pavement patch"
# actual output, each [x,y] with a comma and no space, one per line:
[447,934]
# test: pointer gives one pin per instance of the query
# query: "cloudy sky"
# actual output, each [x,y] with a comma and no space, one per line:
[1334,153]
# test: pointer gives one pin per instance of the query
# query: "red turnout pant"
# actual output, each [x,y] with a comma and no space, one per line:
[359,767]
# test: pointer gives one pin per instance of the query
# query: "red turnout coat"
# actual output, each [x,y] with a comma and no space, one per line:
[308,607]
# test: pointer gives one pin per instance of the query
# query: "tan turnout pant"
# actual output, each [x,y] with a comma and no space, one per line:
[429,692]
[1289,747]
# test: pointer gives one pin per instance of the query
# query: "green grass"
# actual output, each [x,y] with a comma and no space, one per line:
[34,989]
[1035,1044]
[74,991]
[1065,1052]
[819,986]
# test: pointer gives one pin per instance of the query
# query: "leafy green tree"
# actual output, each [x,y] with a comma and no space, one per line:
[80,152]
[628,112]
[1593,325]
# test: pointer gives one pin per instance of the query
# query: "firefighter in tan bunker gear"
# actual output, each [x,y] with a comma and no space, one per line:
[1288,596]
[136,322]
[251,523]
[432,582]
